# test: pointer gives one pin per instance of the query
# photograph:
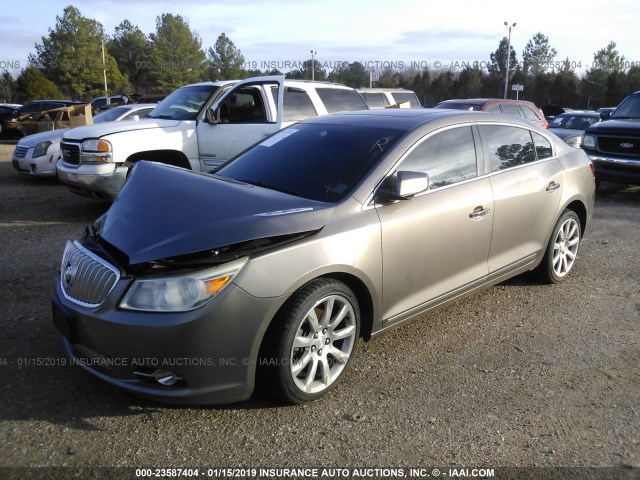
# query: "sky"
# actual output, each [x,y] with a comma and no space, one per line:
[378,33]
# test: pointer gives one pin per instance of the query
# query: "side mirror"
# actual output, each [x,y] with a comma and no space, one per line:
[402,186]
[606,114]
[212,116]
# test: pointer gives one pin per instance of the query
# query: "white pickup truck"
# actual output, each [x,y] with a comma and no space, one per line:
[197,127]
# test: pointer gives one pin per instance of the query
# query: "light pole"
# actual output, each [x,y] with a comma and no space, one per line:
[313,66]
[506,75]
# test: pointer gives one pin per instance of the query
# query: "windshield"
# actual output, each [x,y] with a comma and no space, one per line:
[184,103]
[322,162]
[574,122]
[629,108]
[111,114]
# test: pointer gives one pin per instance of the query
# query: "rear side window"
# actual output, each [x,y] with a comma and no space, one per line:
[507,146]
[296,104]
[528,113]
[447,157]
[407,97]
[543,147]
[340,100]
[510,109]
[375,99]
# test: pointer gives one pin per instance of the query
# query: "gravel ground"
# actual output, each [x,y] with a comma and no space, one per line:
[521,374]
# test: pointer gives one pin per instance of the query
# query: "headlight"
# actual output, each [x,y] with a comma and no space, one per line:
[181,293]
[574,141]
[41,149]
[588,141]
[96,151]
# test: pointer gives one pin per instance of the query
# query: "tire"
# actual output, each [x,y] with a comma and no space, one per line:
[311,342]
[562,249]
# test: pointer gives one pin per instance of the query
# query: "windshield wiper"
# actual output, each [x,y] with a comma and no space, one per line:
[272,187]
[162,117]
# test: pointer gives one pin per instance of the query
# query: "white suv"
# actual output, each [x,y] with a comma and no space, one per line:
[198,127]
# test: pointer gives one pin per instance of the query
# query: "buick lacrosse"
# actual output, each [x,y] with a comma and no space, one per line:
[195,287]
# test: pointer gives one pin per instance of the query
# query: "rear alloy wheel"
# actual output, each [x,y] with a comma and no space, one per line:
[313,342]
[562,249]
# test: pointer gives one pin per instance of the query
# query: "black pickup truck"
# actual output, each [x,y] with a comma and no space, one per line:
[613,145]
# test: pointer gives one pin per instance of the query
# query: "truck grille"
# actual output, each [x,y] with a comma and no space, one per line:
[70,153]
[620,145]
[85,278]
[20,152]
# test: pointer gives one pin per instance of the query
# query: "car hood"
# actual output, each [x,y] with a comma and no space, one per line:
[565,133]
[53,136]
[164,212]
[98,130]
[629,126]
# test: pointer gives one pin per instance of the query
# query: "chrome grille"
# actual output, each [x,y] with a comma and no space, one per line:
[85,278]
[70,153]
[20,152]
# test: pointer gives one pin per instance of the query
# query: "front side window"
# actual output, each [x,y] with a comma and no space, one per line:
[244,105]
[507,146]
[447,157]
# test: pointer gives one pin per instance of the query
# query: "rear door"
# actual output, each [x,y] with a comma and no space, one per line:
[238,119]
[526,179]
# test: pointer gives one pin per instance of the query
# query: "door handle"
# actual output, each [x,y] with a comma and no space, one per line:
[479,212]
[552,187]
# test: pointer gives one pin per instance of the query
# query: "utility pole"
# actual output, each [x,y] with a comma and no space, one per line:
[313,66]
[506,74]
[104,71]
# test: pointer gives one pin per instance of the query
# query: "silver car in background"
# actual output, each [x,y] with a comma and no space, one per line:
[38,154]
[194,287]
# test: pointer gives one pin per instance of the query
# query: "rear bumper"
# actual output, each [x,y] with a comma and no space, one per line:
[616,169]
[98,180]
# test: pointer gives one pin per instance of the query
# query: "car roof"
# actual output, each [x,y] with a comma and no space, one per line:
[410,118]
[483,101]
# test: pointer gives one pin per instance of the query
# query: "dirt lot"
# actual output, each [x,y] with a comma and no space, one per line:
[520,375]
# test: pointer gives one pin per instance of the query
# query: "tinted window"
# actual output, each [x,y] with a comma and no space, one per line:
[375,100]
[459,106]
[507,146]
[510,109]
[407,97]
[447,157]
[322,162]
[296,104]
[528,113]
[340,100]
[543,147]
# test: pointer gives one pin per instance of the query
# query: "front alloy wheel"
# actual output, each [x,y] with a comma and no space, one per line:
[309,348]
[562,249]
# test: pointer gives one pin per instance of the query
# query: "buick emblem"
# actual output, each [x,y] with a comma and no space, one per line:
[626,145]
[68,274]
